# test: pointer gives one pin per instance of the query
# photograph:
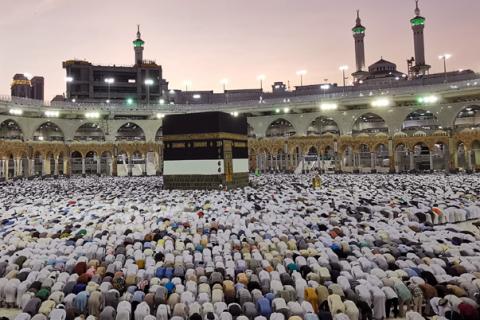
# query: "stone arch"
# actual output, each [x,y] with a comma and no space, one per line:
[369,123]
[280,128]
[467,118]
[10,130]
[420,119]
[48,131]
[89,131]
[322,125]
[130,131]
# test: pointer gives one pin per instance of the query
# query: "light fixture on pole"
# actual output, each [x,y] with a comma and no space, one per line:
[224,83]
[109,82]
[301,73]
[343,69]
[187,84]
[445,57]
[148,83]
[261,78]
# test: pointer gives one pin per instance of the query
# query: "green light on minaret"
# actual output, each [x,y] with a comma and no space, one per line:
[359,29]
[418,21]
[138,43]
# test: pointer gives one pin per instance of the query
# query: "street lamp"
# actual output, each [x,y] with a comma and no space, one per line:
[187,84]
[445,57]
[109,82]
[261,78]
[148,83]
[301,73]
[343,69]
[224,83]
[68,80]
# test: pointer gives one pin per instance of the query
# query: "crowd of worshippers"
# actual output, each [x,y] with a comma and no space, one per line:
[358,247]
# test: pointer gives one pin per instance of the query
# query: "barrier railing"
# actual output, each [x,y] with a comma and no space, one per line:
[269,99]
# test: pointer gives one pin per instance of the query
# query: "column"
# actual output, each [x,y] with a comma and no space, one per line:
[18,168]
[5,169]
[84,171]
[450,151]
[55,169]
[32,167]
[129,165]
[431,161]
[391,156]
[412,160]
[468,154]
[15,168]
[303,163]
[145,165]
[67,167]
[449,160]
[114,166]
[44,168]
[372,160]
[99,166]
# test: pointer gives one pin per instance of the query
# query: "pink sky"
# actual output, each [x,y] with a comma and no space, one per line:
[207,40]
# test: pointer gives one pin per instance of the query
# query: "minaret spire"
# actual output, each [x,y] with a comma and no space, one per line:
[417,9]
[359,36]
[138,47]
[418,26]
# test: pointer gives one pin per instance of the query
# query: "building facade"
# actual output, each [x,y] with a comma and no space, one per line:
[141,82]
[417,128]
[23,87]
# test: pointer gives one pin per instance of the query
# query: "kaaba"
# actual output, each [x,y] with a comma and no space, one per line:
[205,151]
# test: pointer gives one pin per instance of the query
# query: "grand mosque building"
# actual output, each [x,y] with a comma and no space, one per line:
[110,122]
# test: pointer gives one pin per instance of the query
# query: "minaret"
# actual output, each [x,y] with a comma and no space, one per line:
[359,36]
[418,24]
[138,47]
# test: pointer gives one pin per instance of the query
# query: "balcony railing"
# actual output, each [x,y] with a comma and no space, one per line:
[268,99]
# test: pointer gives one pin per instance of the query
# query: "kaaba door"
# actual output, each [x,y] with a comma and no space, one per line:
[227,157]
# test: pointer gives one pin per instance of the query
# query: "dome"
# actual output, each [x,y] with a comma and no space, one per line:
[382,66]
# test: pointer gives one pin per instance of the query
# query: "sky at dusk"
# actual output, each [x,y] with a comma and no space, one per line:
[207,40]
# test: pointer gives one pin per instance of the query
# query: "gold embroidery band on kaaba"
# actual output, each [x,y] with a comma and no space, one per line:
[205,136]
